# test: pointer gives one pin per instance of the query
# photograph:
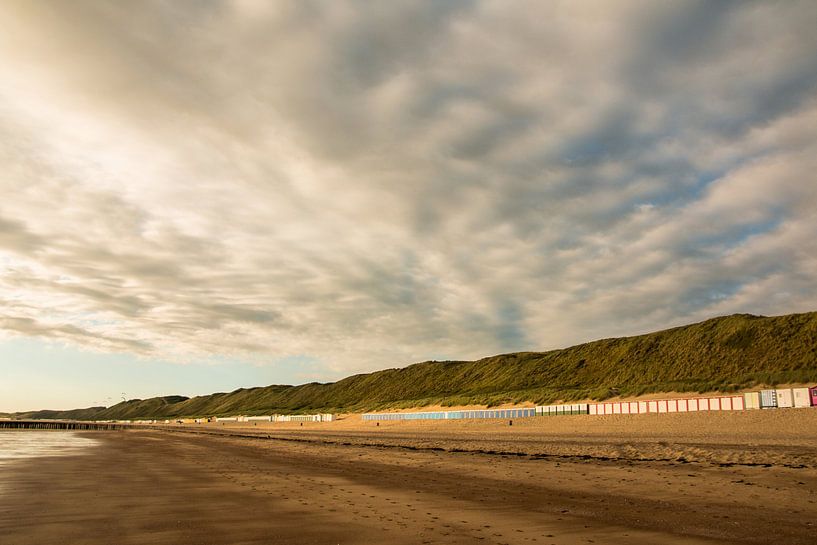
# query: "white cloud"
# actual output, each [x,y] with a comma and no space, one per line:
[375,185]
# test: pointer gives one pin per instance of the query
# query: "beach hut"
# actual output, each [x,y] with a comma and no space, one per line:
[768,399]
[802,397]
[785,399]
[546,410]
[751,400]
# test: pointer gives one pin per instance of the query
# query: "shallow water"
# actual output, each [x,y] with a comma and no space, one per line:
[18,445]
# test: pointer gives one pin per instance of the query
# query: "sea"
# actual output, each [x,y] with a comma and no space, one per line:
[18,445]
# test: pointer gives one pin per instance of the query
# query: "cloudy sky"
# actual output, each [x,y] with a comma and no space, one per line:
[201,195]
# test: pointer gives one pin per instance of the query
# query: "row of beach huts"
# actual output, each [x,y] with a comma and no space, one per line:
[763,399]
[323,417]
[270,418]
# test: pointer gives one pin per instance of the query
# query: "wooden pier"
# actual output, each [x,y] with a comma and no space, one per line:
[60,425]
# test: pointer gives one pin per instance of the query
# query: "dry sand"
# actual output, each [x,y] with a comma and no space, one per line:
[786,437]
[607,480]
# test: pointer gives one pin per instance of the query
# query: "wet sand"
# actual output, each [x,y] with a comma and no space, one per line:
[146,487]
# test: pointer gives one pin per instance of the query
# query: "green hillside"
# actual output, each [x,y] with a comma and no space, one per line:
[721,354]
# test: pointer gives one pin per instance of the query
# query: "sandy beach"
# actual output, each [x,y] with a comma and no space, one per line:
[403,484]
[782,437]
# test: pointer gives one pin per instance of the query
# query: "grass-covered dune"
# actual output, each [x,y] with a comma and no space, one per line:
[721,354]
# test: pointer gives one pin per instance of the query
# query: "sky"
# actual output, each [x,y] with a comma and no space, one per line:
[197,196]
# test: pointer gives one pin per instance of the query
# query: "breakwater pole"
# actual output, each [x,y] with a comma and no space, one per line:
[59,425]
